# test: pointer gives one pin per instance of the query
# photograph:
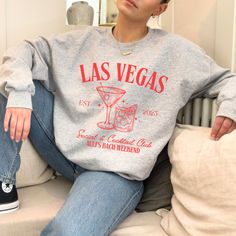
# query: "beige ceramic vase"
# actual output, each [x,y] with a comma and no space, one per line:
[80,13]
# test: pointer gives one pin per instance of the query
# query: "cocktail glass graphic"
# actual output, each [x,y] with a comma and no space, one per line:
[110,96]
[124,118]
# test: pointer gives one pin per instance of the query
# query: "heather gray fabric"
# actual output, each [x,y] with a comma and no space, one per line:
[113,112]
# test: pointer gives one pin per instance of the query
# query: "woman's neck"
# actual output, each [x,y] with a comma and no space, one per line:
[127,31]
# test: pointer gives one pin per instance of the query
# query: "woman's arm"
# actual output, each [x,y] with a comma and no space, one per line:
[21,64]
[221,83]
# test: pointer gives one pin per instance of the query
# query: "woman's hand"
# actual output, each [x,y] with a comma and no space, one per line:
[20,122]
[222,125]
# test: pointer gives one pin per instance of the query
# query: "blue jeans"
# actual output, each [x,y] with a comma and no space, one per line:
[98,200]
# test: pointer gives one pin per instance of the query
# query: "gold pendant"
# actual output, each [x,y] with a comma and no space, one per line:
[126,53]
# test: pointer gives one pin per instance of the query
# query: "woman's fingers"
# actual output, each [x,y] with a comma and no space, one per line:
[224,128]
[6,119]
[19,122]
[26,127]
[217,126]
[233,127]
[13,124]
[19,127]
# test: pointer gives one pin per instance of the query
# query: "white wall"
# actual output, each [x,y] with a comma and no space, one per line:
[2,27]
[210,24]
[234,47]
[194,20]
[28,18]
[225,45]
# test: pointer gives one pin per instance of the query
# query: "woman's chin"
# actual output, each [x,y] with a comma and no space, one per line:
[128,13]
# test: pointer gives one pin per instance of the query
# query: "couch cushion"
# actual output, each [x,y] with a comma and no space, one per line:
[140,224]
[40,203]
[157,187]
[203,177]
[33,169]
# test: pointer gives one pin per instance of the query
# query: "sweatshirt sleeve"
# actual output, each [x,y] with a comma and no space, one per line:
[21,64]
[220,84]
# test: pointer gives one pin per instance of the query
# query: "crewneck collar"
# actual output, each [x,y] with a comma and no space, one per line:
[139,42]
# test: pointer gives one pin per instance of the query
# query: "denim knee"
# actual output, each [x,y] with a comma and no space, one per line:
[3,103]
[9,150]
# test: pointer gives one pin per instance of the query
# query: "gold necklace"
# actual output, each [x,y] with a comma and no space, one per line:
[126,52]
[123,53]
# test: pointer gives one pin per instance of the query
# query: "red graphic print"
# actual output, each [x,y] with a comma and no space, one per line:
[110,96]
[124,116]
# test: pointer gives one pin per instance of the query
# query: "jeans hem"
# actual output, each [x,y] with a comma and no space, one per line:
[7,180]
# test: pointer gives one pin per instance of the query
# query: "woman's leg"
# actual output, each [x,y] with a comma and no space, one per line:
[9,165]
[42,133]
[9,150]
[41,136]
[97,203]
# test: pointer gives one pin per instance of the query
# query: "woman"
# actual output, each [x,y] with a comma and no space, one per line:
[110,96]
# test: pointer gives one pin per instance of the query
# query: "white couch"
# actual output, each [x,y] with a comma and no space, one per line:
[40,203]
[203,177]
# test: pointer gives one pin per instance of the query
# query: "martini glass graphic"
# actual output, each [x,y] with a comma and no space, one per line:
[110,96]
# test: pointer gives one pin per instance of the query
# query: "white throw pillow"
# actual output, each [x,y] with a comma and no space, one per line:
[204,183]
[33,170]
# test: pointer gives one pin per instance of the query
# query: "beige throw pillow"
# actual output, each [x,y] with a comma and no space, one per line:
[204,182]
[33,170]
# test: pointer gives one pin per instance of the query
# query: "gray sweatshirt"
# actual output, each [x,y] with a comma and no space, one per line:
[115,112]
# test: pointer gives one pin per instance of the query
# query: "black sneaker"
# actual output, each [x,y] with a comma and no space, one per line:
[8,198]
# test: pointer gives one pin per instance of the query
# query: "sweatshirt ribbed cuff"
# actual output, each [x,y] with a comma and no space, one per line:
[19,99]
[228,109]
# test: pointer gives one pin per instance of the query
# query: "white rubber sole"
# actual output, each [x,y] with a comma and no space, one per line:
[9,207]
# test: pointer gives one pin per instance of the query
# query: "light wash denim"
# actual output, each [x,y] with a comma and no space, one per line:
[98,200]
